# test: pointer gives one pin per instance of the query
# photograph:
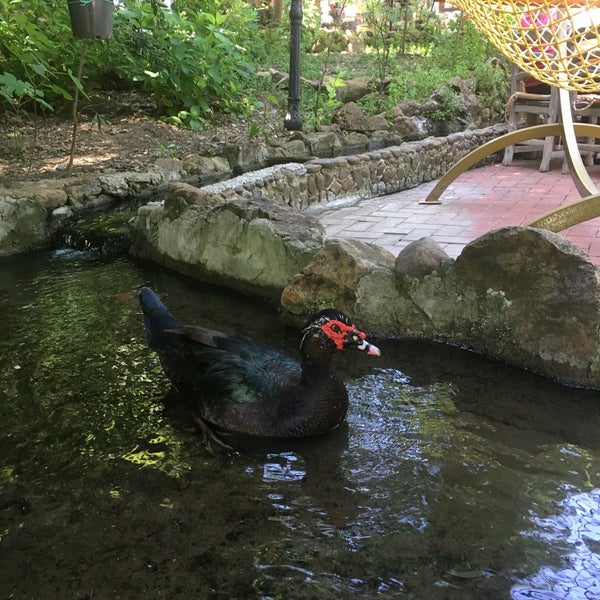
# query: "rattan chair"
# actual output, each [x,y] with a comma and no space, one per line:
[557,42]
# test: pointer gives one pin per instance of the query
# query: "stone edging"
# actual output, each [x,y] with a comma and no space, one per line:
[325,182]
[31,213]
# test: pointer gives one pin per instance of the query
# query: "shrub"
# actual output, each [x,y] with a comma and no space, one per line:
[36,67]
[190,59]
[199,56]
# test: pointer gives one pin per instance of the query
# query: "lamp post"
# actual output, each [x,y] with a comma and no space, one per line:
[293,118]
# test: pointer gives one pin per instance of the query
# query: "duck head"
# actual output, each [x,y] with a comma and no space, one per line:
[332,330]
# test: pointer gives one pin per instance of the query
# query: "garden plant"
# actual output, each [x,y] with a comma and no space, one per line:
[199,58]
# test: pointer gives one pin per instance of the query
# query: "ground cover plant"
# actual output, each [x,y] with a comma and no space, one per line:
[193,76]
[197,59]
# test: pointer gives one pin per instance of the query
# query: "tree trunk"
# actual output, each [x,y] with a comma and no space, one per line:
[277,11]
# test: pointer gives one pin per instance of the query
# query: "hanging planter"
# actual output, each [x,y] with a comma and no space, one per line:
[91,19]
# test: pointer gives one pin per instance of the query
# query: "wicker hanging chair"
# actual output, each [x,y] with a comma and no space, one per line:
[557,42]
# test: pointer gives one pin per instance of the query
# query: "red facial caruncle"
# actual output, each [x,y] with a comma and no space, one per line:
[341,334]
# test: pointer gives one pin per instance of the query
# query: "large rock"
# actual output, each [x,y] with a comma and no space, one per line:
[469,103]
[354,89]
[536,302]
[253,245]
[23,225]
[411,128]
[526,296]
[26,215]
[247,156]
[32,213]
[523,295]
[323,143]
[350,117]
[207,169]
[420,258]
[356,277]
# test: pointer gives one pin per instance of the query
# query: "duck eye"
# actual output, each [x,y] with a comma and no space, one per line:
[335,328]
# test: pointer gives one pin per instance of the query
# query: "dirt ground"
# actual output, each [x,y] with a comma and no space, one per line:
[117,132]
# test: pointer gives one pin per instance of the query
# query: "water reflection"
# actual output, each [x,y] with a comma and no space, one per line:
[453,478]
[282,467]
[440,498]
[576,530]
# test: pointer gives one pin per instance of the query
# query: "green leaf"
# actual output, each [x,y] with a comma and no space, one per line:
[11,86]
[76,81]
[195,125]
[474,574]
[57,89]
[173,121]
[43,103]
[39,68]
[253,130]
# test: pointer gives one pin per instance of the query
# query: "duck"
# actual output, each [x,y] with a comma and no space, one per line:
[235,385]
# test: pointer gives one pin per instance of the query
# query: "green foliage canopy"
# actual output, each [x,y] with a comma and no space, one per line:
[190,57]
[196,57]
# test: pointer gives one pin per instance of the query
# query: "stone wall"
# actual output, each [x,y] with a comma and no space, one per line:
[522,295]
[31,213]
[323,182]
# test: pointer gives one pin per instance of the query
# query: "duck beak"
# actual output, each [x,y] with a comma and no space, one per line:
[369,348]
[359,338]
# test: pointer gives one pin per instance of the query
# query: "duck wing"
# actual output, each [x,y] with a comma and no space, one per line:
[233,383]
[250,367]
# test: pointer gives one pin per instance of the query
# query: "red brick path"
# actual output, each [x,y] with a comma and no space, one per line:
[478,201]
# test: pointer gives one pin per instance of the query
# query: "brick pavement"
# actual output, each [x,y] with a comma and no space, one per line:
[476,202]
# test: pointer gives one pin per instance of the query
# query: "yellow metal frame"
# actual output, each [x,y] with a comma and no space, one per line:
[557,42]
[560,218]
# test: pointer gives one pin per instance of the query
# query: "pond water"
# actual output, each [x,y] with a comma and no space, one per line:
[455,477]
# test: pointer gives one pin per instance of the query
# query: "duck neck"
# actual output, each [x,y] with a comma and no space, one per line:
[315,369]
[316,358]
[325,401]
[318,372]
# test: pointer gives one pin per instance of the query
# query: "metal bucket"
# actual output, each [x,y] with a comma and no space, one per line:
[91,19]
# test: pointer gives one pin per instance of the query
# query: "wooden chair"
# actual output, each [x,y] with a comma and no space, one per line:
[586,108]
[525,109]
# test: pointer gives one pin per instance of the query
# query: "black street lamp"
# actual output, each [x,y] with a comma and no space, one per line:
[293,118]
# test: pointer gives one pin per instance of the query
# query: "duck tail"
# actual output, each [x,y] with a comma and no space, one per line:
[157,318]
